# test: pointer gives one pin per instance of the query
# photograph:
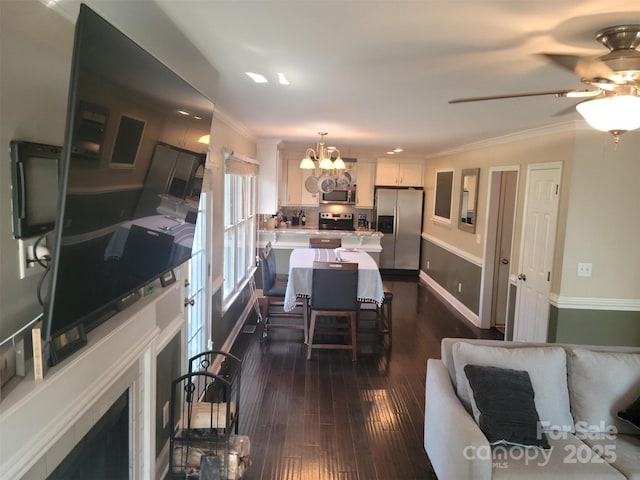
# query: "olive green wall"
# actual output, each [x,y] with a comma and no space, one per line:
[449,269]
[594,327]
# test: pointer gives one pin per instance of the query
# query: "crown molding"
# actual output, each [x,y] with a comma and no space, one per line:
[232,122]
[515,137]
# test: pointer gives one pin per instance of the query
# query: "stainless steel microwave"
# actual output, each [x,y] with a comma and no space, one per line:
[347,196]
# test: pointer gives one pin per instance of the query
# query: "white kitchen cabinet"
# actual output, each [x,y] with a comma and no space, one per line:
[387,173]
[399,173]
[365,175]
[410,174]
[270,179]
[185,135]
[297,194]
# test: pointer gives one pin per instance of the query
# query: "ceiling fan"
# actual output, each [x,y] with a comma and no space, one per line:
[612,103]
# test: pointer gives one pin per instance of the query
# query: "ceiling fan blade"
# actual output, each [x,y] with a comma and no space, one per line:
[557,93]
[585,68]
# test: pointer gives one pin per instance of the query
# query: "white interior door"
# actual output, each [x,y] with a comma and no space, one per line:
[536,254]
[196,304]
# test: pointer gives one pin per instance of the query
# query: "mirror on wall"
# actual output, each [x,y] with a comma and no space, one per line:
[443,196]
[467,218]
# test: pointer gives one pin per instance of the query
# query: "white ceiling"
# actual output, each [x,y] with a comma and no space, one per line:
[380,73]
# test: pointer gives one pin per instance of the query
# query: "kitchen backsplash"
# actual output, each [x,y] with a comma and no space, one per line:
[312,214]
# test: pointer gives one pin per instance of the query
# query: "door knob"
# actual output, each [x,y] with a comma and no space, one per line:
[504,261]
[190,302]
[522,276]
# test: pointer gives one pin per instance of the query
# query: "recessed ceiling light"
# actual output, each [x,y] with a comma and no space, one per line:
[256,77]
[182,112]
[398,150]
[282,79]
[197,117]
[391,153]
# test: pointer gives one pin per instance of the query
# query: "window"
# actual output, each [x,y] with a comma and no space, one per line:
[240,184]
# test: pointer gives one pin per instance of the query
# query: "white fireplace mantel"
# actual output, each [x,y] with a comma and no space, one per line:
[42,421]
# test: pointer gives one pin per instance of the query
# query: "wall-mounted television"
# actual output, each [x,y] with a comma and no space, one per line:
[107,242]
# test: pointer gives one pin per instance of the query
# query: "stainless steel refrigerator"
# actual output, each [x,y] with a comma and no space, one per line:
[399,218]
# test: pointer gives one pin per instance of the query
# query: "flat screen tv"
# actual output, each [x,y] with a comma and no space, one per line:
[118,226]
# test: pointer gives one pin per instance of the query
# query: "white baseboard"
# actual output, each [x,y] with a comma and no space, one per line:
[450,299]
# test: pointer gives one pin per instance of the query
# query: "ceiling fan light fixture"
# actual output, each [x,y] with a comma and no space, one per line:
[615,114]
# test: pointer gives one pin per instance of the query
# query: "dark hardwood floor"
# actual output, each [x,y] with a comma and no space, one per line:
[333,419]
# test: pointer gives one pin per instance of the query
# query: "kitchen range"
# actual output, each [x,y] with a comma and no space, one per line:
[336,221]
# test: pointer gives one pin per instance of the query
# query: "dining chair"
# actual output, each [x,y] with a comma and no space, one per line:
[274,287]
[325,242]
[334,294]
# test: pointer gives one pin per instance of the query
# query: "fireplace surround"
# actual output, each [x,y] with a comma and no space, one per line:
[103,453]
[45,420]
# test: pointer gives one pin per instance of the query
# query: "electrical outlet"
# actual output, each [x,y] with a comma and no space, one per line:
[428,265]
[584,269]
[165,415]
[26,261]
[459,287]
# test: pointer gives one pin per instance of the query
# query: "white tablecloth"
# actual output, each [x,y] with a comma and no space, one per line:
[301,273]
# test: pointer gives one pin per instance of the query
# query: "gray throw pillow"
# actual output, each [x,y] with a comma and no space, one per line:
[632,413]
[505,400]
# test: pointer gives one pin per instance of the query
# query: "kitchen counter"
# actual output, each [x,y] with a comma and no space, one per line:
[284,240]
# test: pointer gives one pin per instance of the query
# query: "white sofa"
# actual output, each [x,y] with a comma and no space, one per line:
[578,391]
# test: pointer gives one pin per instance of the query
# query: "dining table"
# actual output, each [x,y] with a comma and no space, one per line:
[370,289]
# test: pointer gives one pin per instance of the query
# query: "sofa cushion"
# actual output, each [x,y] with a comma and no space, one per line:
[632,413]
[547,370]
[567,459]
[621,451]
[601,384]
[503,406]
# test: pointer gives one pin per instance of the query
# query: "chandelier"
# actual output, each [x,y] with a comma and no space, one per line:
[323,155]
[615,114]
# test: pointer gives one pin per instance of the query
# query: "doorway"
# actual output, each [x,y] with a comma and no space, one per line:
[507,187]
[501,208]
